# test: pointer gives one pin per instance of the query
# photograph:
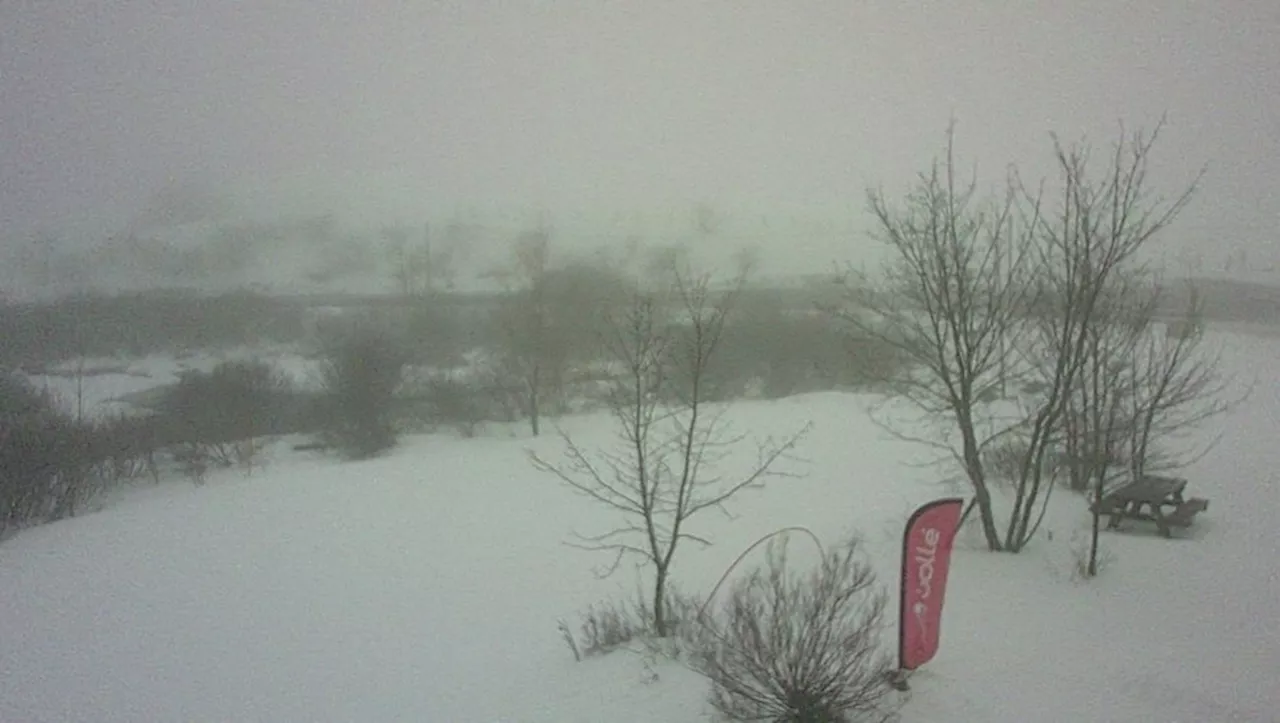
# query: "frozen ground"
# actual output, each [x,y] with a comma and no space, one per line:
[427,586]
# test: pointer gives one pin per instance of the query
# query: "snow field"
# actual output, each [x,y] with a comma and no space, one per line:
[427,586]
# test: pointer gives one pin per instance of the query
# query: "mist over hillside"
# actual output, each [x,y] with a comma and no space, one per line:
[297,236]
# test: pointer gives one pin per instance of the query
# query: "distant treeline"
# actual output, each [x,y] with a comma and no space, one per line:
[135,324]
[35,334]
[165,321]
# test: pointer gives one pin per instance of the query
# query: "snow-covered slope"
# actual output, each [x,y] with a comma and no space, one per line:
[427,586]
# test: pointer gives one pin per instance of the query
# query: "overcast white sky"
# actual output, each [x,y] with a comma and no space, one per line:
[565,105]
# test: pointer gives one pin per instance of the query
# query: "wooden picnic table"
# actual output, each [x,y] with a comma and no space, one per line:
[1162,498]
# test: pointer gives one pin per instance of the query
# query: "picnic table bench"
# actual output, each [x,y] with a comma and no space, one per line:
[1162,498]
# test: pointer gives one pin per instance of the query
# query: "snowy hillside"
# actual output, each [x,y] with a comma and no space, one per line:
[428,585]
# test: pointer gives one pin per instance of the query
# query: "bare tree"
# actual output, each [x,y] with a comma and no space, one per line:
[532,355]
[550,321]
[1141,384]
[665,469]
[1100,407]
[1100,223]
[1099,414]
[950,297]
[1178,386]
[404,259]
[971,282]
[419,269]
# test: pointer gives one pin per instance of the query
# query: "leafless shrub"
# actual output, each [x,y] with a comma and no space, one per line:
[800,648]
[610,625]
[194,459]
[247,454]
[46,458]
[1078,561]
[607,627]
[126,447]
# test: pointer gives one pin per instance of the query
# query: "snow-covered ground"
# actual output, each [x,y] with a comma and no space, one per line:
[427,586]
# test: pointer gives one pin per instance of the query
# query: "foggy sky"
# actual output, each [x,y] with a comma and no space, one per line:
[565,105]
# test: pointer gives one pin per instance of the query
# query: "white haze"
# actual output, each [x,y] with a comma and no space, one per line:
[598,113]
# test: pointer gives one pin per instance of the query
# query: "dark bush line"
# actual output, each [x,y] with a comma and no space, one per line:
[236,400]
[141,323]
[55,465]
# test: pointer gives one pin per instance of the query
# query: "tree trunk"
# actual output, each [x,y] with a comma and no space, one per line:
[1097,520]
[973,467]
[1074,448]
[1024,513]
[534,383]
[659,602]
[988,517]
